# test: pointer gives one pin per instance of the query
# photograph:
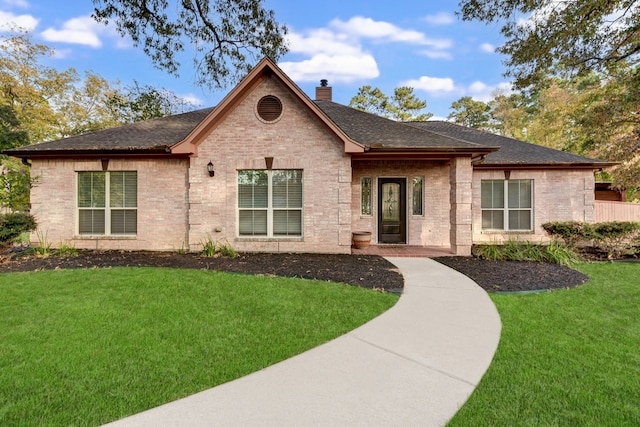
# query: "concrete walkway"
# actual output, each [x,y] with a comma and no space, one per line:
[415,365]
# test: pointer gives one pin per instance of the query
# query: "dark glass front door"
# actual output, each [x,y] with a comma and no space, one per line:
[392,210]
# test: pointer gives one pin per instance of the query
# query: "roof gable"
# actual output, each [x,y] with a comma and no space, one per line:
[265,68]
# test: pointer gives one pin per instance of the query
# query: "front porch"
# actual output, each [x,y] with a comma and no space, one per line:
[404,251]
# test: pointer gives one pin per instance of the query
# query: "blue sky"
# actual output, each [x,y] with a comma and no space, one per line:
[351,43]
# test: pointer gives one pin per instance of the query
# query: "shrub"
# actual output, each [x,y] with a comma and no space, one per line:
[616,237]
[527,251]
[570,232]
[14,224]
[211,248]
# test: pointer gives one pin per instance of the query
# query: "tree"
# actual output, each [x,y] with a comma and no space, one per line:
[553,37]
[469,112]
[403,106]
[226,34]
[509,116]
[144,102]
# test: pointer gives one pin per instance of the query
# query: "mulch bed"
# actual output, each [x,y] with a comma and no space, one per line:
[367,271]
[515,276]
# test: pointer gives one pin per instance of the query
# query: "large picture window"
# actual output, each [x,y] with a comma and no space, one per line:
[108,203]
[270,203]
[507,205]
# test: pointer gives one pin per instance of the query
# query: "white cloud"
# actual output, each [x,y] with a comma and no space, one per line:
[432,85]
[487,48]
[441,18]
[62,53]
[446,86]
[361,27]
[192,99]
[83,30]
[336,52]
[483,92]
[16,3]
[436,54]
[9,22]
[336,68]
[321,41]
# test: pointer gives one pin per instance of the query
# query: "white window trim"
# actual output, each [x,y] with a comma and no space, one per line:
[107,208]
[505,210]
[270,210]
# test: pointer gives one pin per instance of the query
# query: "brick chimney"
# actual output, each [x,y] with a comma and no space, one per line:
[324,92]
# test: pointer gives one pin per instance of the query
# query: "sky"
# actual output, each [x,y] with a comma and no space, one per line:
[351,43]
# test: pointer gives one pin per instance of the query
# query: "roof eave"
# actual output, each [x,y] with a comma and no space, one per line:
[549,165]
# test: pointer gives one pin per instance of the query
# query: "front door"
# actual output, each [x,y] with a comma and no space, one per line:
[392,210]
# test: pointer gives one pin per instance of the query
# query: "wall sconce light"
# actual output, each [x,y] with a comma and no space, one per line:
[210,169]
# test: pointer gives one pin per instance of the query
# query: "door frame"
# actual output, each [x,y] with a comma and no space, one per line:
[403,208]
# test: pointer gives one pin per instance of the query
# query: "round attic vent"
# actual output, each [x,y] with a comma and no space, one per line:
[269,108]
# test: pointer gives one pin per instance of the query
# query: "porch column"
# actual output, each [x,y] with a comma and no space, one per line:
[460,178]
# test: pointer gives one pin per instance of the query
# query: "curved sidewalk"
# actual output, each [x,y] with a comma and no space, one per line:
[416,364]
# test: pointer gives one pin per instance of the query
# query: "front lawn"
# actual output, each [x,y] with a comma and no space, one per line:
[84,347]
[566,358]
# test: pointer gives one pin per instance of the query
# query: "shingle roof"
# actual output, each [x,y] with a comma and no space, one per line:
[155,135]
[377,132]
[512,151]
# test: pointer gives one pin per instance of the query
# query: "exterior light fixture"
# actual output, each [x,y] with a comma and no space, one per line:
[210,169]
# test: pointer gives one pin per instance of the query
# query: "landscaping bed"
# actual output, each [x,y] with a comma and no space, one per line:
[515,276]
[367,271]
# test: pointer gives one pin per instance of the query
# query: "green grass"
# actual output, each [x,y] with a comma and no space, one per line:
[566,358]
[84,347]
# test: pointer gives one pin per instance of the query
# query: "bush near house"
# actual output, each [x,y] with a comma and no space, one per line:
[14,224]
[616,238]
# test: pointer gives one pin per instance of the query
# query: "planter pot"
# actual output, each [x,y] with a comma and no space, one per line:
[361,239]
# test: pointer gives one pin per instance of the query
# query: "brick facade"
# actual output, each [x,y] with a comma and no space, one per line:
[429,229]
[558,195]
[181,207]
[162,204]
[295,141]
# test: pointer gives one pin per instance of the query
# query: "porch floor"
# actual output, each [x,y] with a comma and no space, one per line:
[404,251]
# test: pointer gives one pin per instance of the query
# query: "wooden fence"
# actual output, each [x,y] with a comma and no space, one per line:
[616,211]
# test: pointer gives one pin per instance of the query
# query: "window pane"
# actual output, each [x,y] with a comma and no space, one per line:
[287,189]
[91,189]
[253,189]
[519,220]
[365,196]
[492,194]
[492,220]
[116,189]
[252,223]
[91,221]
[124,221]
[130,189]
[287,223]
[417,195]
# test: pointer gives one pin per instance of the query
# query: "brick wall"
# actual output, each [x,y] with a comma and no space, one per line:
[558,195]
[162,203]
[295,141]
[430,229]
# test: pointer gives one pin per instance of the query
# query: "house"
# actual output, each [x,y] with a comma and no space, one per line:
[271,170]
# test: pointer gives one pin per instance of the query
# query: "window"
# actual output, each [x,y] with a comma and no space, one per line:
[365,195]
[417,192]
[507,204]
[108,203]
[270,203]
